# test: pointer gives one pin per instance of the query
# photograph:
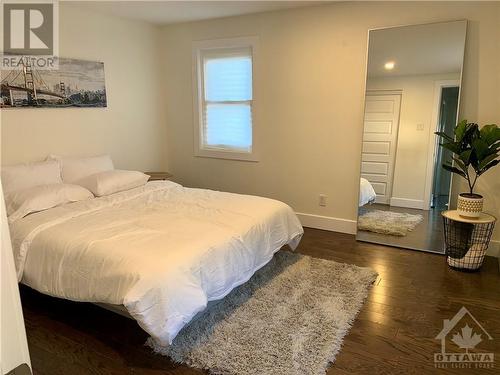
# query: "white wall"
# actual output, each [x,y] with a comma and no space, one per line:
[309,100]
[417,107]
[131,128]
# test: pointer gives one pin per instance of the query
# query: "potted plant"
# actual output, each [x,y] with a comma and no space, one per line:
[475,151]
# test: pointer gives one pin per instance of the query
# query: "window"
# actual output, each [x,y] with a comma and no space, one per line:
[224,85]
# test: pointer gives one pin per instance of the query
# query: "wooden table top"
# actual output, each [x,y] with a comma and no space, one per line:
[482,219]
[158,175]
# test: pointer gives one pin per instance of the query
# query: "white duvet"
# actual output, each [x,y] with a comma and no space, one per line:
[161,250]
[366,192]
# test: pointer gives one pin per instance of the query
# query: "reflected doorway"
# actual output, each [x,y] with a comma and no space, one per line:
[448,107]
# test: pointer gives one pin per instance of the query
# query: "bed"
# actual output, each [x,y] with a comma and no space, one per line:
[162,251]
[366,192]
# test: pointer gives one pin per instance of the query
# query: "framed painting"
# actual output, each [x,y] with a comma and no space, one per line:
[76,83]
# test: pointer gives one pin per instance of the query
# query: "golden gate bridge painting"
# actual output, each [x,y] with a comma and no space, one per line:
[76,83]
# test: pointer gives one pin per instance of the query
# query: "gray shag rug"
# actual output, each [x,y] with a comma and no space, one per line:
[289,318]
[387,222]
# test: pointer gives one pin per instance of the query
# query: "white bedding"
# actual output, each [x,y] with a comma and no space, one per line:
[366,192]
[161,250]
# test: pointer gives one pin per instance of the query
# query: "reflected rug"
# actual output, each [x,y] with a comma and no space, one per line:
[387,222]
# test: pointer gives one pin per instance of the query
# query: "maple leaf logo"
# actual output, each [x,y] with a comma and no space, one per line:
[466,340]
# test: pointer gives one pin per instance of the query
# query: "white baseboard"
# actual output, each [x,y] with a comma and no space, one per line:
[408,203]
[494,249]
[333,224]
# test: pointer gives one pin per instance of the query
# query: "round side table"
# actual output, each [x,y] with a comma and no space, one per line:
[466,239]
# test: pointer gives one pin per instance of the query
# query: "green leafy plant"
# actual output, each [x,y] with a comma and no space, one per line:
[473,149]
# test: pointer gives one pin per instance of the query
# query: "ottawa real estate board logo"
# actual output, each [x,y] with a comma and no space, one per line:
[30,34]
[465,332]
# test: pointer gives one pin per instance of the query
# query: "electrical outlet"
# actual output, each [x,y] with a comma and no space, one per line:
[323,200]
[420,127]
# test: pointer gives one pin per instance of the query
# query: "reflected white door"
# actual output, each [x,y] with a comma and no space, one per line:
[379,142]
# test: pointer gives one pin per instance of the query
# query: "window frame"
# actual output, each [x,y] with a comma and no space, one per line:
[199,49]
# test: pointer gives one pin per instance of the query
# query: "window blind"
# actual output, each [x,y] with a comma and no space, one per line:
[227,100]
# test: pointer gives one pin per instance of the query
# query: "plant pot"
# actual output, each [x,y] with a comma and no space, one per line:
[470,205]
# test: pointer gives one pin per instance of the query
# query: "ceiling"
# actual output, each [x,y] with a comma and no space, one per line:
[419,49]
[168,12]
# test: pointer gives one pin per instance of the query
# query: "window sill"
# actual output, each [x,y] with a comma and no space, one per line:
[227,155]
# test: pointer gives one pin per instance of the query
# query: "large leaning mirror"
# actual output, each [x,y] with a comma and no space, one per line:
[412,90]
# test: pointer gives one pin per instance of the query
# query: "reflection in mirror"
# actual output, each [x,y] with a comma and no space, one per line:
[412,90]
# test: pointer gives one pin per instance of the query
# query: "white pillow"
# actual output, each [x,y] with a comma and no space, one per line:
[109,182]
[39,198]
[24,176]
[74,169]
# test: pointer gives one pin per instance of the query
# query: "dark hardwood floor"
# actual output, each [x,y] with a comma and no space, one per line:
[394,332]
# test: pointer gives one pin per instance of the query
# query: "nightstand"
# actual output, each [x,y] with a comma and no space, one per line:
[157,176]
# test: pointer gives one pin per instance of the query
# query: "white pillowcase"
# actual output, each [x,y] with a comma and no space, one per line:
[23,202]
[74,169]
[24,176]
[109,182]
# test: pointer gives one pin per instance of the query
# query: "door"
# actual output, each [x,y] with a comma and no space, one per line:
[380,132]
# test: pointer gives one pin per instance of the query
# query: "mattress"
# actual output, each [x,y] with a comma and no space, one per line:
[162,251]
